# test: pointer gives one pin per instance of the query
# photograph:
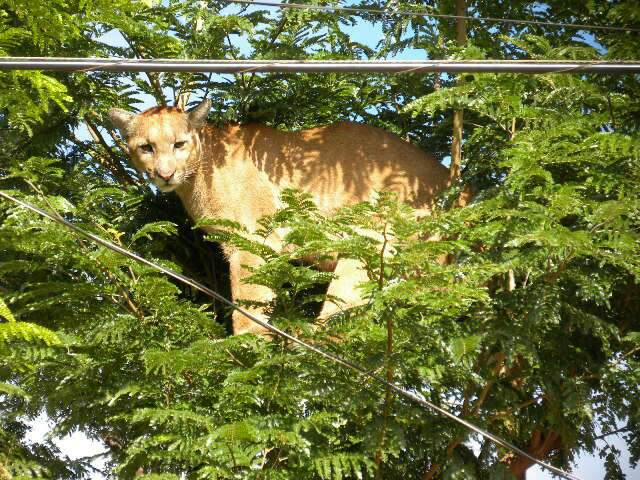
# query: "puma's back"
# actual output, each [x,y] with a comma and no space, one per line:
[338,164]
[238,171]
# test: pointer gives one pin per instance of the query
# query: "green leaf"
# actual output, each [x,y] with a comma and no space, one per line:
[14,390]
[5,312]
[463,346]
[163,228]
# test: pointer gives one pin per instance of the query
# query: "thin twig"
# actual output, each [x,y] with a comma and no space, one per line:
[114,166]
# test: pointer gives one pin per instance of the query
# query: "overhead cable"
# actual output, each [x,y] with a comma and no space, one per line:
[424,13]
[315,66]
[420,400]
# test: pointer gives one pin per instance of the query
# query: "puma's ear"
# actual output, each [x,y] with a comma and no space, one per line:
[121,119]
[198,116]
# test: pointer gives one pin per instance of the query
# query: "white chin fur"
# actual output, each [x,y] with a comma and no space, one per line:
[167,187]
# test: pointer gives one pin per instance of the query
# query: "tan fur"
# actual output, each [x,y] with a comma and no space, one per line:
[238,172]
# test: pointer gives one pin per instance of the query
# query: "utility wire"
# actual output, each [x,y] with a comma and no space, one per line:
[423,13]
[281,333]
[313,66]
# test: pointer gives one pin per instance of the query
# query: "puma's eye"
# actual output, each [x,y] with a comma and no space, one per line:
[179,144]
[146,148]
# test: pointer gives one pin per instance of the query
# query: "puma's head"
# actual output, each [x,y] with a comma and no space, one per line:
[163,141]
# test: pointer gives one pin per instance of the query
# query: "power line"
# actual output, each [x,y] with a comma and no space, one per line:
[281,333]
[423,13]
[315,66]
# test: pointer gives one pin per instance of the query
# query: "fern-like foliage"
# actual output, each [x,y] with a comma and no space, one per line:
[531,331]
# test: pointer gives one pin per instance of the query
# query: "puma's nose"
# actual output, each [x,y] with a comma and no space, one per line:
[165,174]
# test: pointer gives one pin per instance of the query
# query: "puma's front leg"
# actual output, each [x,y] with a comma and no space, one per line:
[239,264]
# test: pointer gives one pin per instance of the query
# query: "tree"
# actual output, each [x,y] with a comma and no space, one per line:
[531,333]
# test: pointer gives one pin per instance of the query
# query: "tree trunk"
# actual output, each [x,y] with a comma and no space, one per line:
[456,145]
[542,443]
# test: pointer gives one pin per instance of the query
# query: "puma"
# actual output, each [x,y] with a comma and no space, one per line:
[237,172]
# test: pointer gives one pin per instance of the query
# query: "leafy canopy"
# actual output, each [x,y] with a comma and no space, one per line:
[532,332]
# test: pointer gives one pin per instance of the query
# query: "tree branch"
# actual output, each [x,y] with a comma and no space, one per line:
[389,374]
[456,146]
[153,79]
[615,432]
[541,444]
[114,166]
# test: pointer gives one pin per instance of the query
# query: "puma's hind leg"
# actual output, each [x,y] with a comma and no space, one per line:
[349,274]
